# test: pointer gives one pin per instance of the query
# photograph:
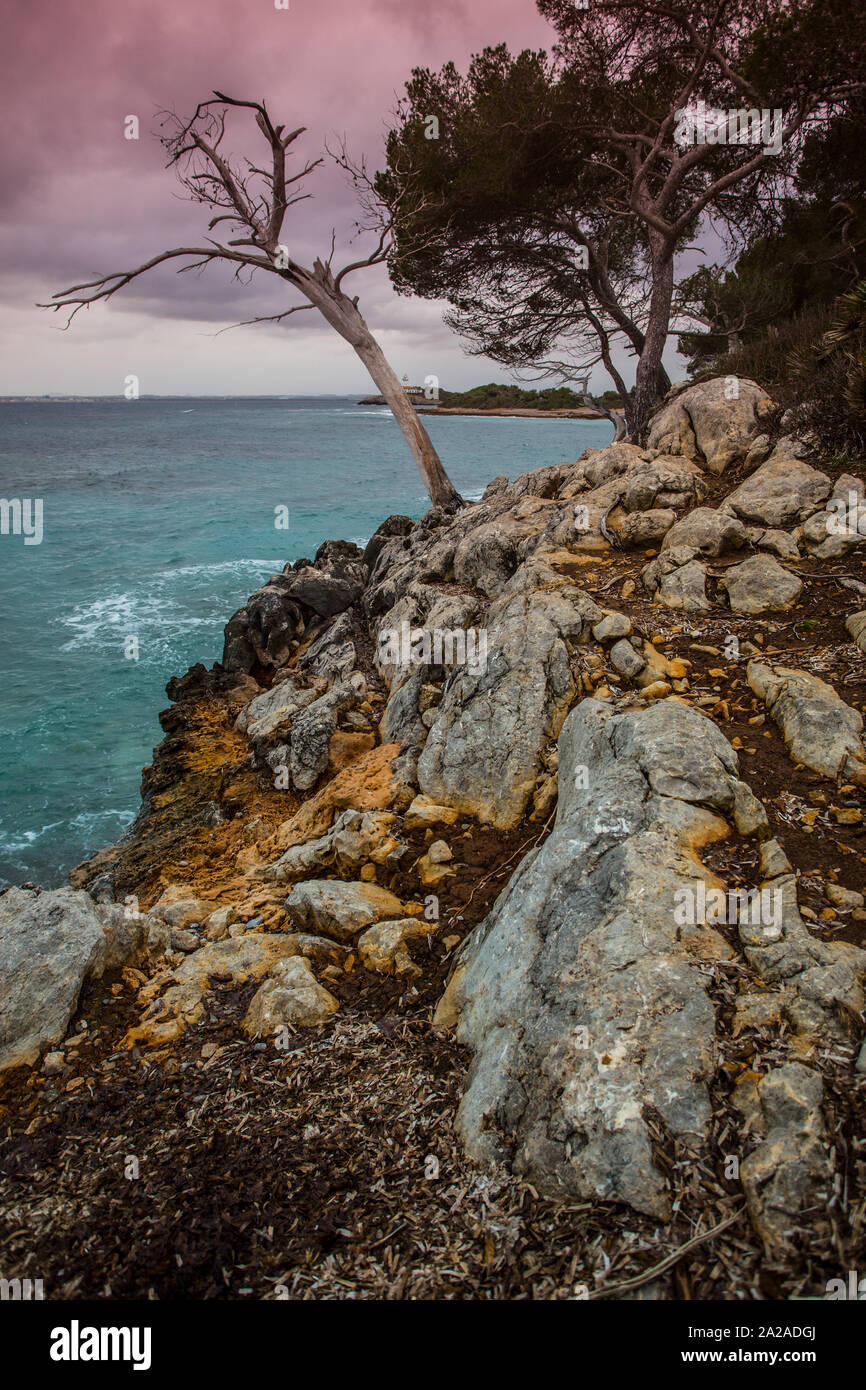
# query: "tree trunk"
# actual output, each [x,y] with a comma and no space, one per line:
[440,487]
[649,366]
[344,315]
[607,299]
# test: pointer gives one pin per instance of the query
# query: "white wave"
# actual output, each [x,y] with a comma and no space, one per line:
[117,616]
[220,567]
[23,839]
[153,615]
[89,820]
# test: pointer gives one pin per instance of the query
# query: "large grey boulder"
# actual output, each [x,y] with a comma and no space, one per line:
[331,907]
[51,943]
[291,995]
[483,752]
[820,729]
[705,423]
[678,579]
[783,490]
[600,465]
[663,482]
[486,558]
[685,588]
[581,998]
[709,531]
[646,528]
[761,585]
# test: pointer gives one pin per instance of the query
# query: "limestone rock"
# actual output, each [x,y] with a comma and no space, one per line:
[483,752]
[383,947]
[579,978]
[432,867]
[354,838]
[844,898]
[51,943]
[708,531]
[312,732]
[335,908]
[216,928]
[267,629]
[423,813]
[782,543]
[624,659]
[703,423]
[290,995]
[612,626]
[820,730]
[856,626]
[783,490]
[486,558]
[647,528]
[788,1178]
[332,654]
[685,588]
[761,585]
[235,961]
[274,709]
[661,483]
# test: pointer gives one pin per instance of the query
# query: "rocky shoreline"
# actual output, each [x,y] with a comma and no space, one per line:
[497,977]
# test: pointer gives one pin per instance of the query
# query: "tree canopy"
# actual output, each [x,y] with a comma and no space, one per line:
[546,196]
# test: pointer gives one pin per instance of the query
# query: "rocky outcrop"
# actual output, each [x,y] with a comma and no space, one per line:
[584,996]
[678,580]
[335,908]
[718,422]
[707,531]
[366,784]
[266,631]
[355,839]
[174,999]
[581,979]
[291,995]
[483,752]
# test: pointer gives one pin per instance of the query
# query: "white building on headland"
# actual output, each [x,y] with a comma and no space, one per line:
[418,396]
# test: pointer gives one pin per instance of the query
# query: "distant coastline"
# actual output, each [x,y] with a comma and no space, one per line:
[578,413]
[581,412]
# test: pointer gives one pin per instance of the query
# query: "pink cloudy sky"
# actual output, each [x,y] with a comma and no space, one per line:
[79,199]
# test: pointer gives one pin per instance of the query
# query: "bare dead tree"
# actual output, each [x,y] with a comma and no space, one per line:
[253,201]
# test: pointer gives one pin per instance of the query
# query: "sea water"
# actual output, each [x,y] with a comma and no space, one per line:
[158,522]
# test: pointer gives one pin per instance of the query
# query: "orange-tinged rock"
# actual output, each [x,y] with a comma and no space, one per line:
[345,749]
[368,784]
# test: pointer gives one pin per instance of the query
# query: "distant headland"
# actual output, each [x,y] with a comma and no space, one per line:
[500,399]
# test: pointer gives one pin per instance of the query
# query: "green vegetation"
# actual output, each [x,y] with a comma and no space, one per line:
[791,313]
[497,396]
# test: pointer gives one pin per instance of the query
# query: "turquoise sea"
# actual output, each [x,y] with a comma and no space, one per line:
[158,523]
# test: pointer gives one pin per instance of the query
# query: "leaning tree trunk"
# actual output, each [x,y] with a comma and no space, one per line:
[440,487]
[646,391]
[344,315]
